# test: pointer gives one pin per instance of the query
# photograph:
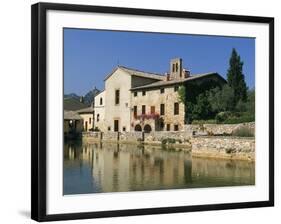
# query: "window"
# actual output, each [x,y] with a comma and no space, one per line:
[143,93]
[152,109]
[176,127]
[176,88]
[176,108]
[162,90]
[90,120]
[117,96]
[173,67]
[177,68]
[98,117]
[135,111]
[101,101]
[168,127]
[108,128]
[143,109]
[135,94]
[124,128]
[162,109]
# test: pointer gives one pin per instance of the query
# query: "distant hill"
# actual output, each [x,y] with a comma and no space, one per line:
[90,96]
[72,100]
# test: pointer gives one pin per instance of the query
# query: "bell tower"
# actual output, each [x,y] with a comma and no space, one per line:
[176,69]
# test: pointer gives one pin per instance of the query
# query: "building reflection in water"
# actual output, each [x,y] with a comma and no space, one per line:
[110,167]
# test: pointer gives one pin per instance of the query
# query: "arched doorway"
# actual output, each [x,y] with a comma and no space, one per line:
[138,128]
[147,128]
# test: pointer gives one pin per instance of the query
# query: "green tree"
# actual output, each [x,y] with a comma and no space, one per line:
[202,109]
[251,101]
[182,94]
[249,105]
[236,79]
[221,99]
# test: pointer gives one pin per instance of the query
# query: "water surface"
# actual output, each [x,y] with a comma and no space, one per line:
[108,167]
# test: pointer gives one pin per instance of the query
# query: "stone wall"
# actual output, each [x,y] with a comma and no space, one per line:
[228,147]
[159,136]
[110,136]
[218,129]
[155,137]
[131,136]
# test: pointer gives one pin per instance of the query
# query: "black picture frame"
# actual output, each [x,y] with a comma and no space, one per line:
[38,108]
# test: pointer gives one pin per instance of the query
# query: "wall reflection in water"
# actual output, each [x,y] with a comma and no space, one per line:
[108,167]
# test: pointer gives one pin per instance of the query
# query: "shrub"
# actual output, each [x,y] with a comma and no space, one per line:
[243,132]
[168,141]
[210,133]
[234,117]
[171,140]
[179,141]
[222,116]
[230,150]
[242,119]
[211,121]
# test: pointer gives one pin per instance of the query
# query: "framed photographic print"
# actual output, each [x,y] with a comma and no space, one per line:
[139,111]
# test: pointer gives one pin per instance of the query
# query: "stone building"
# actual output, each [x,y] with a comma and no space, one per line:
[72,124]
[135,100]
[87,115]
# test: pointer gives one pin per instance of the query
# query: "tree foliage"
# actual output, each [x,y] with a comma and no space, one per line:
[221,99]
[202,108]
[230,102]
[236,79]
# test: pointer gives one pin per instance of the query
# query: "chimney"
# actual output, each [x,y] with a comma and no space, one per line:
[176,68]
[167,76]
[186,73]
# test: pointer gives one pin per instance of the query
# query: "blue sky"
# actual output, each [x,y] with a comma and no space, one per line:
[89,55]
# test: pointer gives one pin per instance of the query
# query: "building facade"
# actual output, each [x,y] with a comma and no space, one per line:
[87,115]
[100,111]
[135,100]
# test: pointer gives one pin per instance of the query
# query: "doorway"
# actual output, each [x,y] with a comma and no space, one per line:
[116,125]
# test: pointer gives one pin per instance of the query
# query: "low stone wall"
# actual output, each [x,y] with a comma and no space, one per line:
[228,147]
[218,129]
[110,136]
[160,135]
[224,147]
[131,136]
[155,137]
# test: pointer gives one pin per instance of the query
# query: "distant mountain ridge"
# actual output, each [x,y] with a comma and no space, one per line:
[88,99]
[90,96]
